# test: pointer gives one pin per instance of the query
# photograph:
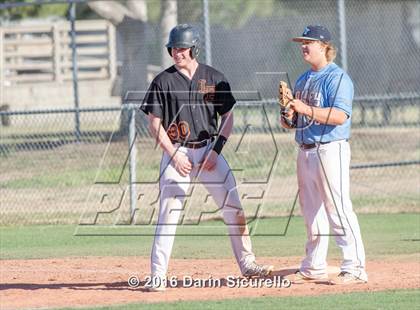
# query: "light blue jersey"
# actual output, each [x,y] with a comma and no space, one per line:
[330,87]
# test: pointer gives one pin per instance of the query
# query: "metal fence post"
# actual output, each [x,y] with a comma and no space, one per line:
[206,16]
[341,5]
[74,64]
[112,50]
[132,158]
[1,67]
[57,52]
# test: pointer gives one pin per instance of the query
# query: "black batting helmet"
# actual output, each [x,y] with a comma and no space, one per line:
[184,36]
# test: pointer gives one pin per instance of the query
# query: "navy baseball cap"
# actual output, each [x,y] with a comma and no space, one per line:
[314,33]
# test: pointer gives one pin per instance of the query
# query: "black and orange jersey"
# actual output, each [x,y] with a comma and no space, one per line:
[189,109]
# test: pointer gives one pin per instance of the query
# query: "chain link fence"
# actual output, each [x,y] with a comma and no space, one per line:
[68,165]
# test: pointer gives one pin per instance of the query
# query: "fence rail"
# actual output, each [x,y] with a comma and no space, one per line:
[49,175]
[371,111]
[43,52]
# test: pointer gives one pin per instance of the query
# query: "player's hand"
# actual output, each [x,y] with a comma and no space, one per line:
[299,106]
[182,164]
[211,160]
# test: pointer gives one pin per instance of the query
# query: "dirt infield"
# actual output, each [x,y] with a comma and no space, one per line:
[94,281]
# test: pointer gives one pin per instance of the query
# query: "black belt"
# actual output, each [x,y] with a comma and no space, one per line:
[195,144]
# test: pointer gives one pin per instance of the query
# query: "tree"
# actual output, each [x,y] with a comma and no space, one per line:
[32,11]
[131,24]
[130,21]
[235,13]
[168,20]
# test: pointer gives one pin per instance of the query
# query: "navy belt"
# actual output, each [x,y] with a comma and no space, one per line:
[311,145]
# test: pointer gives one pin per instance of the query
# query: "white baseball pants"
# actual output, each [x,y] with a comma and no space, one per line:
[220,183]
[324,196]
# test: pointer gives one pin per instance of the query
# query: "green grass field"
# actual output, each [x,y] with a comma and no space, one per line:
[404,299]
[51,186]
[384,234]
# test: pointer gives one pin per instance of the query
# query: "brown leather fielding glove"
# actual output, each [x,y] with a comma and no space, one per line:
[285,98]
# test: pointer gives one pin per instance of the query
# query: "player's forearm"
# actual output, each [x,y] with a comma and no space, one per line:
[159,133]
[226,125]
[329,116]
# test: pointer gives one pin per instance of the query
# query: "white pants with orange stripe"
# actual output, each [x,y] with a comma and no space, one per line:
[324,196]
[220,183]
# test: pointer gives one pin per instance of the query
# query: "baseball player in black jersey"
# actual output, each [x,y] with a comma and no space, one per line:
[183,104]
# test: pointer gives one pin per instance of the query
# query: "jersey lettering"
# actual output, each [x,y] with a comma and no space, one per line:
[178,131]
[209,91]
[184,130]
[173,132]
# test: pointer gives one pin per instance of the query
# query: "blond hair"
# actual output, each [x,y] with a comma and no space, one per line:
[330,51]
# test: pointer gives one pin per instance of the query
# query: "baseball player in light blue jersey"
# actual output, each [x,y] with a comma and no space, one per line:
[323,100]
